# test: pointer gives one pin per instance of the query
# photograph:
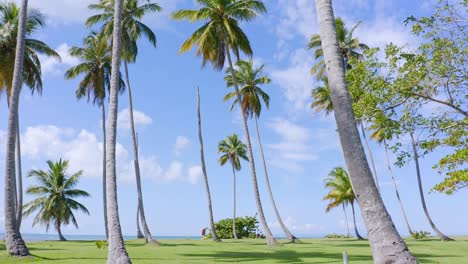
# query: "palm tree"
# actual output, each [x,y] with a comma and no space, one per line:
[57,197]
[132,30]
[250,79]
[387,245]
[117,252]
[381,133]
[220,35]
[96,71]
[233,150]
[340,193]
[14,242]
[214,235]
[9,14]
[349,47]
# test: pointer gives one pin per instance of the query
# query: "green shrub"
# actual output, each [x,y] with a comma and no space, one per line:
[337,236]
[246,227]
[101,244]
[420,234]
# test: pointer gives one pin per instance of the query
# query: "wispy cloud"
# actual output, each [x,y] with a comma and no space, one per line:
[141,119]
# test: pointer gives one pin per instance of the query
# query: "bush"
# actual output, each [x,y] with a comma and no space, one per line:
[246,227]
[101,244]
[420,234]
[337,236]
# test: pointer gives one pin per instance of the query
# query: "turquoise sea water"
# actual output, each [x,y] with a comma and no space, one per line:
[44,237]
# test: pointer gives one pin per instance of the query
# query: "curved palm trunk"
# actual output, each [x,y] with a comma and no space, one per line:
[104,195]
[15,245]
[395,186]
[286,231]
[214,235]
[387,245]
[371,157]
[358,236]
[19,187]
[346,219]
[136,162]
[421,192]
[61,237]
[139,233]
[117,252]
[234,232]
[271,241]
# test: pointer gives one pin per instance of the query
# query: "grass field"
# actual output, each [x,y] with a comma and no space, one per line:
[249,251]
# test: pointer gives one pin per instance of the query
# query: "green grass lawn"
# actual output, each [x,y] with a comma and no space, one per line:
[250,251]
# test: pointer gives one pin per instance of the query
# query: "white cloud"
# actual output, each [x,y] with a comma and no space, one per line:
[296,18]
[51,65]
[175,171]
[384,30]
[293,226]
[194,174]
[63,11]
[181,144]
[140,119]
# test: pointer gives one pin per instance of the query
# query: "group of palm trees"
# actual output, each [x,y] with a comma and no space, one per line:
[219,38]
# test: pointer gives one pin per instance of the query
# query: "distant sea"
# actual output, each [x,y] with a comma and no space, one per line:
[45,237]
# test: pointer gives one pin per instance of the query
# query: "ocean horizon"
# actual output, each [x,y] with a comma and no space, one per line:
[46,237]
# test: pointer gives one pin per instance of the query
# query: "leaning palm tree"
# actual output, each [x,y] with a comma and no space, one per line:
[15,245]
[132,30]
[220,35]
[340,193]
[32,78]
[96,70]
[117,251]
[214,235]
[233,150]
[56,201]
[250,79]
[348,44]
[387,245]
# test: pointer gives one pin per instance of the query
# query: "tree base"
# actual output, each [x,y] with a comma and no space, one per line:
[16,247]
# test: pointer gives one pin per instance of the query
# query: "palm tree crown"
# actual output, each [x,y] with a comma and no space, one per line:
[57,196]
[32,71]
[349,47]
[221,29]
[340,190]
[233,150]
[250,79]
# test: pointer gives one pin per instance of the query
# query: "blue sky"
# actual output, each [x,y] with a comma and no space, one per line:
[301,146]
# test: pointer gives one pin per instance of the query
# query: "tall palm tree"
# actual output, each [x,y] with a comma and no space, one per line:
[220,35]
[250,79]
[214,235]
[340,193]
[132,30]
[96,70]
[117,252]
[387,245]
[381,133]
[233,150]
[9,13]
[348,44]
[57,197]
[14,242]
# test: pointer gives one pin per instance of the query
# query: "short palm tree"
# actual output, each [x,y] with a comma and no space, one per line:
[57,197]
[32,73]
[132,30]
[220,35]
[233,151]
[96,70]
[349,47]
[340,192]
[253,98]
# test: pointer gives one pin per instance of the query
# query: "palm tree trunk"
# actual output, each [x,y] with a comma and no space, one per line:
[286,231]
[59,230]
[214,235]
[136,162]
[15,245]
[421,192]
[371,157]
[117,252]
[358,236]
[104,195]
[19,187]
[346,219]
[234,232]
[271,241]
[396,187]
[139,233]
[387,245]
